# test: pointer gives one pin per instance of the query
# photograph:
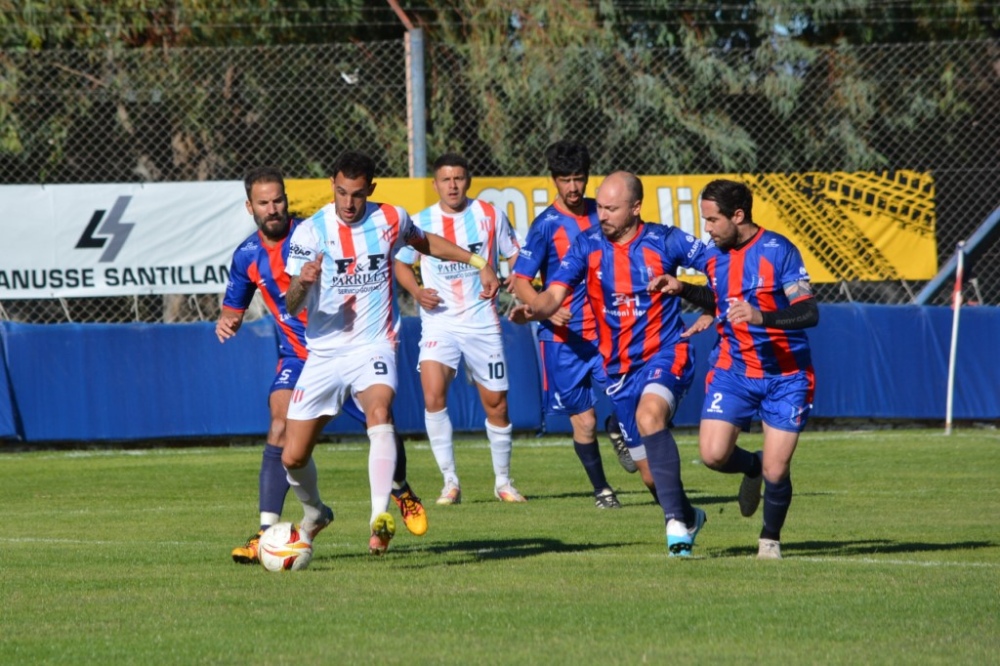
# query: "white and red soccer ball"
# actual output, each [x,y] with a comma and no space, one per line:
[284,547]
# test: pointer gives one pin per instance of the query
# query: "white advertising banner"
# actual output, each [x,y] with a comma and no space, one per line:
[120,239]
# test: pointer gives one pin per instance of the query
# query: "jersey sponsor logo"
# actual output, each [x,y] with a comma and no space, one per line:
[112,227]
[626,305]
[298,251]
[526,252]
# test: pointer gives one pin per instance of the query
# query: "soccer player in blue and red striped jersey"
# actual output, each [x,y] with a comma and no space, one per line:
[259,265]
[649,366]
[571,363]
[761,365]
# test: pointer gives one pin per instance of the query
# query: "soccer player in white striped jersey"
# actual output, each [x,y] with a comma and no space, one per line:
[456,323]
[341,265]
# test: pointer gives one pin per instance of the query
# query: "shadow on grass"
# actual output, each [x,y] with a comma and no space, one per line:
[486,550]
[860,548]
[635,497]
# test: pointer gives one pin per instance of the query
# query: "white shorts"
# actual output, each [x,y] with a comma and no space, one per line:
[326,381]
[485,362]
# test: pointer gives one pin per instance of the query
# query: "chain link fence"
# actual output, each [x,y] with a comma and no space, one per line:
[210,113]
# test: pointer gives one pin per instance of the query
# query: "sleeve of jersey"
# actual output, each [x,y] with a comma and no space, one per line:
[690,250]
[529,259]
[409,232]
[302,248]
[507,241]
[239,289]
[407,255]
[793,269]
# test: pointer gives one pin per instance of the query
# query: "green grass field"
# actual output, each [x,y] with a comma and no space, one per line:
[892,555]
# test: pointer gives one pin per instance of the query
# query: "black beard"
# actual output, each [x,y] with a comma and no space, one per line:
[272,236]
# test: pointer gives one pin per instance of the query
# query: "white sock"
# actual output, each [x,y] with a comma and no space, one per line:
[500,448]
[268,518]
[439,432]
[381,465]
[305,485]
[677,527]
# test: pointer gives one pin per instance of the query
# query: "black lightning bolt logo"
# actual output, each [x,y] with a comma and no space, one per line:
[113,227]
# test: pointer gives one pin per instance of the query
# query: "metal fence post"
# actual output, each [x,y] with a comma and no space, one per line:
[416,114]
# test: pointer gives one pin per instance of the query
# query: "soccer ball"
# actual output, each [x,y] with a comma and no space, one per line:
[284,547]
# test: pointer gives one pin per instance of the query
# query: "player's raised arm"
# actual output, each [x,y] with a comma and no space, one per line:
[300,285]
[542,307]
[442,248]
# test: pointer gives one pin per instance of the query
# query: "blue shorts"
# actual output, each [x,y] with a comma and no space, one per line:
[287,375]
[782,402]
[625,391]
[569,372]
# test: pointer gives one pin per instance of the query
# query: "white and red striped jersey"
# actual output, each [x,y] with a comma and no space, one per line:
[481,229]
[353,302]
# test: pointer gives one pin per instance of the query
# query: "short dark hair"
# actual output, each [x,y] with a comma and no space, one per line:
[262,174]
[354,165]
[451,160]
[568,158]
[730,196]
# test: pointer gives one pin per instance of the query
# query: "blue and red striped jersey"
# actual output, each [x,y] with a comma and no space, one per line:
[756,273]
[633,325]
[256,266]
[549,239]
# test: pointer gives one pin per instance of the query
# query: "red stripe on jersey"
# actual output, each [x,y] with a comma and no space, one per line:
[654,317]
[448,229]
[392,217]
[744,341]
[347,246]
[561,242]
[596,297]
[725,359]
[491,232]
[560,239]
[622,284]
[283,280]
[545,375]
[779,340]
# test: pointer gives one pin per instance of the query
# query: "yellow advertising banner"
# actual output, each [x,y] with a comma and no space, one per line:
[859,226]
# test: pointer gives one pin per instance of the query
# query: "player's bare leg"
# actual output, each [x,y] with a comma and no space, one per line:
[718,449]
[779,446]
[300,439]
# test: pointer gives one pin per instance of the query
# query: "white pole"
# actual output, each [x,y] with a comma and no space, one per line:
[956,308]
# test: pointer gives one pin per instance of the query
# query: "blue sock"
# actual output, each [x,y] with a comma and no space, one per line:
[590,457]
[741,461]
[273,481]
[399,474]
[777,499]
[665,466]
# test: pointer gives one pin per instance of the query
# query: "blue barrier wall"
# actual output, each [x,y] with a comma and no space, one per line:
[91,382]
